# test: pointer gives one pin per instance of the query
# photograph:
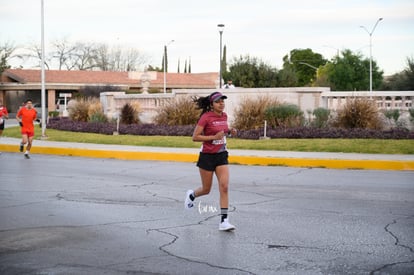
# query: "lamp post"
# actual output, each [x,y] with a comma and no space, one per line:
[165,66]
[42,73]
[370,51]
[220,28]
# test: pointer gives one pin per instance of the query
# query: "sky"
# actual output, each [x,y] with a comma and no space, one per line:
[265,29]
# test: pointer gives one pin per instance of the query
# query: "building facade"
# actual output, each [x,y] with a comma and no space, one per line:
[147,88]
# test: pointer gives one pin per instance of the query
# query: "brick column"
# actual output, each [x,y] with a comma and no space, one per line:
[51,100]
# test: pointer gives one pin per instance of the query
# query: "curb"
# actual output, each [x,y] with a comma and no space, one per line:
[326,163]
[362,164]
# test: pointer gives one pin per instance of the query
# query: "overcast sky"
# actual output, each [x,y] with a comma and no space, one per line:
[267,29]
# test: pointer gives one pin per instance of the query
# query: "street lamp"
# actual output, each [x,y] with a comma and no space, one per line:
[165,65]
[42,72]
[370,51]
[309,65]
[220,28]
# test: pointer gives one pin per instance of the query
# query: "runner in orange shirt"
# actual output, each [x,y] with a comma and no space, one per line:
[26,116]
[3,115]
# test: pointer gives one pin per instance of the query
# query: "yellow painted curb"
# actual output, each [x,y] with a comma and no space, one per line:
[326,163]
[242,160]
[91,153]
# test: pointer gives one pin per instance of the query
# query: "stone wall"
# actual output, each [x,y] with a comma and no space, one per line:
[307,98]
[401,100]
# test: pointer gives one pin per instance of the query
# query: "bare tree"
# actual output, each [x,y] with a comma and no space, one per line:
[115,57]
[64,52]
[125,60]
[65,55]
[134,59]
[84,56]
[34,52]
[119,59]
[102,58]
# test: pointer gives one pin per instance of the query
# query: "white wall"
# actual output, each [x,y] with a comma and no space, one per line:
[307,98]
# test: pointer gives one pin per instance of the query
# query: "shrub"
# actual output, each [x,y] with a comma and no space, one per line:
[79,111]
[321,117]
[86,109]
[98,117]
[53,113]
[66,124]
[156,130]
[95,91]
[181,111]
[251,112]
[313,132]
[95,112]
[129,115]
[392,115]
[136,106]
[285,115]
[411,112]
[358,113]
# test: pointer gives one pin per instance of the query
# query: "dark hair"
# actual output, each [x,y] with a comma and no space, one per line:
[27,100]
[204,103]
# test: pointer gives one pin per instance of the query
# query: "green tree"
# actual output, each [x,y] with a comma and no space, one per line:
[249,72]
[287,76]
[6,52]
[350,72]
[395,82]
[322,76]
[267,76]
[402,81]
[154,69]
[189,65]
[304,62]
[178,68]
[409,73]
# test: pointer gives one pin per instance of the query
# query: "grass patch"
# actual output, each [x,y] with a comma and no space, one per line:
[373,146]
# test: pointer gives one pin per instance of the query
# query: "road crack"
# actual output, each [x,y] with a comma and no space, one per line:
[396,243]
[174,237]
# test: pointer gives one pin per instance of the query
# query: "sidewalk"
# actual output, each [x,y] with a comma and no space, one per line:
[242,157]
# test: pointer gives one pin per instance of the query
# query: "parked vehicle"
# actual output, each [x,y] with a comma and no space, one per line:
[60,104]
[38,108]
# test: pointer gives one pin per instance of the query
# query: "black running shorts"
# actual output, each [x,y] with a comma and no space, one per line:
[209,162]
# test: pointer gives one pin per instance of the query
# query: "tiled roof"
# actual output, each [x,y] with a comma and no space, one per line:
[176,80]
[69,77]
[182,79]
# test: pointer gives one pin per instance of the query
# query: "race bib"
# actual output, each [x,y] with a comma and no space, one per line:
[219,141]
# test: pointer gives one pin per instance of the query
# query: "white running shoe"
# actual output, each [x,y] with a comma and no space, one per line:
[226,226]
[188,203]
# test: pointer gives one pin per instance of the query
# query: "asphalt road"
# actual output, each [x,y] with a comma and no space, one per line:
[70,215]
